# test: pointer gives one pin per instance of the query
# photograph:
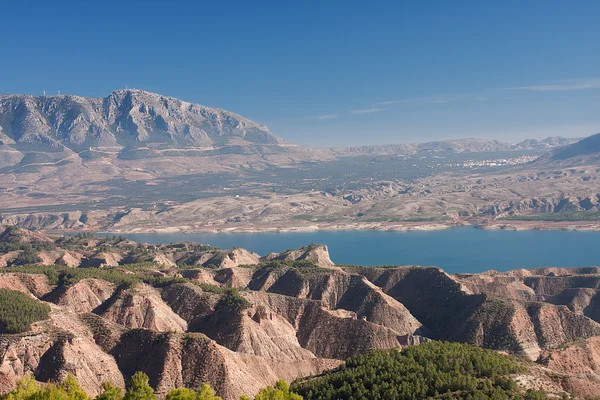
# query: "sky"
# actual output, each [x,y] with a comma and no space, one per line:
[326,73]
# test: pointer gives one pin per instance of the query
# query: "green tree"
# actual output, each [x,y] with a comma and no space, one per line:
[73,389]
[281,391]
[26,389]
[205,392]
[27,256]
[51,392]
[435,370]
[110,392]
[181,394]
[18,311]
[138,388]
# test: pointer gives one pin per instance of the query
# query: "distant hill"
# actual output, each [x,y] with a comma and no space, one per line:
[468,145]
[545,144]
[589,146]
[582,152]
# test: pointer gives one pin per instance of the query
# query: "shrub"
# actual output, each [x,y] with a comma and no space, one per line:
[27,256]
[233,301]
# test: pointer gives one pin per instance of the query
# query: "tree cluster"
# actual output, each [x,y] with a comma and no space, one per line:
[433,370]
[18,311]
[138,388]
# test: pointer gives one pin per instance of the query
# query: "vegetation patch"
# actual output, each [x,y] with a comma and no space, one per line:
[434,370]
[305,267]
[233,301]
[18,311]
[69,276]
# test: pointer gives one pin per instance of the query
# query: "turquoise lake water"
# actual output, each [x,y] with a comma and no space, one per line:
[463,249]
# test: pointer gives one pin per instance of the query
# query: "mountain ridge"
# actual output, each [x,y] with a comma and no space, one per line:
[133,158]
[52,120]
[122,118]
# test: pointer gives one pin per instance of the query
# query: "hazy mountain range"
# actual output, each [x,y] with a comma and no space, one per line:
[141,152]
[136,119]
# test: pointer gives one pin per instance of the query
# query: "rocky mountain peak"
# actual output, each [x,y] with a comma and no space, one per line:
[124,118]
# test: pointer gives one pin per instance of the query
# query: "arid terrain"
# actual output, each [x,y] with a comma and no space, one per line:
[186,314]
[138,161]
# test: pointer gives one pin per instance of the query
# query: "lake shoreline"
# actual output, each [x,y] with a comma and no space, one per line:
[461,249]
[586,226]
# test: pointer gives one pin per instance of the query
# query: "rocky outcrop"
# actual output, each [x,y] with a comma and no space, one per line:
[451,311]
[316,253]
[326,333]
[192,359]
[190,302]
[54,348]
[70,259]
[434,298]
[19,356]
[577,300]
[502,286]
[82,358]
[84,296]
[339,290]
[34,284]
[555,325]
[580,362]
[257,330]
[13,234]
[238,257]
[201,275]
[234,277]
[142,307]
[102,259]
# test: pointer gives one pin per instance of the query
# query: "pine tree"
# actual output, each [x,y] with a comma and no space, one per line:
[281,391]
[138,388]
[110,392]
[205,392]
[181,394]
[73,389]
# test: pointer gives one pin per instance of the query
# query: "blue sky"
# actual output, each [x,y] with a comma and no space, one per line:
[326,73]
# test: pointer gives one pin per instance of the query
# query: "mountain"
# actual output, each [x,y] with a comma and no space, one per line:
[583,152]
[134,124]
[132,131]
[73,145]
[588,147]
[124,118]
[545,144]
[185,314]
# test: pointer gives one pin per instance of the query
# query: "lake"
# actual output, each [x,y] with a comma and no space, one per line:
[463,249]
